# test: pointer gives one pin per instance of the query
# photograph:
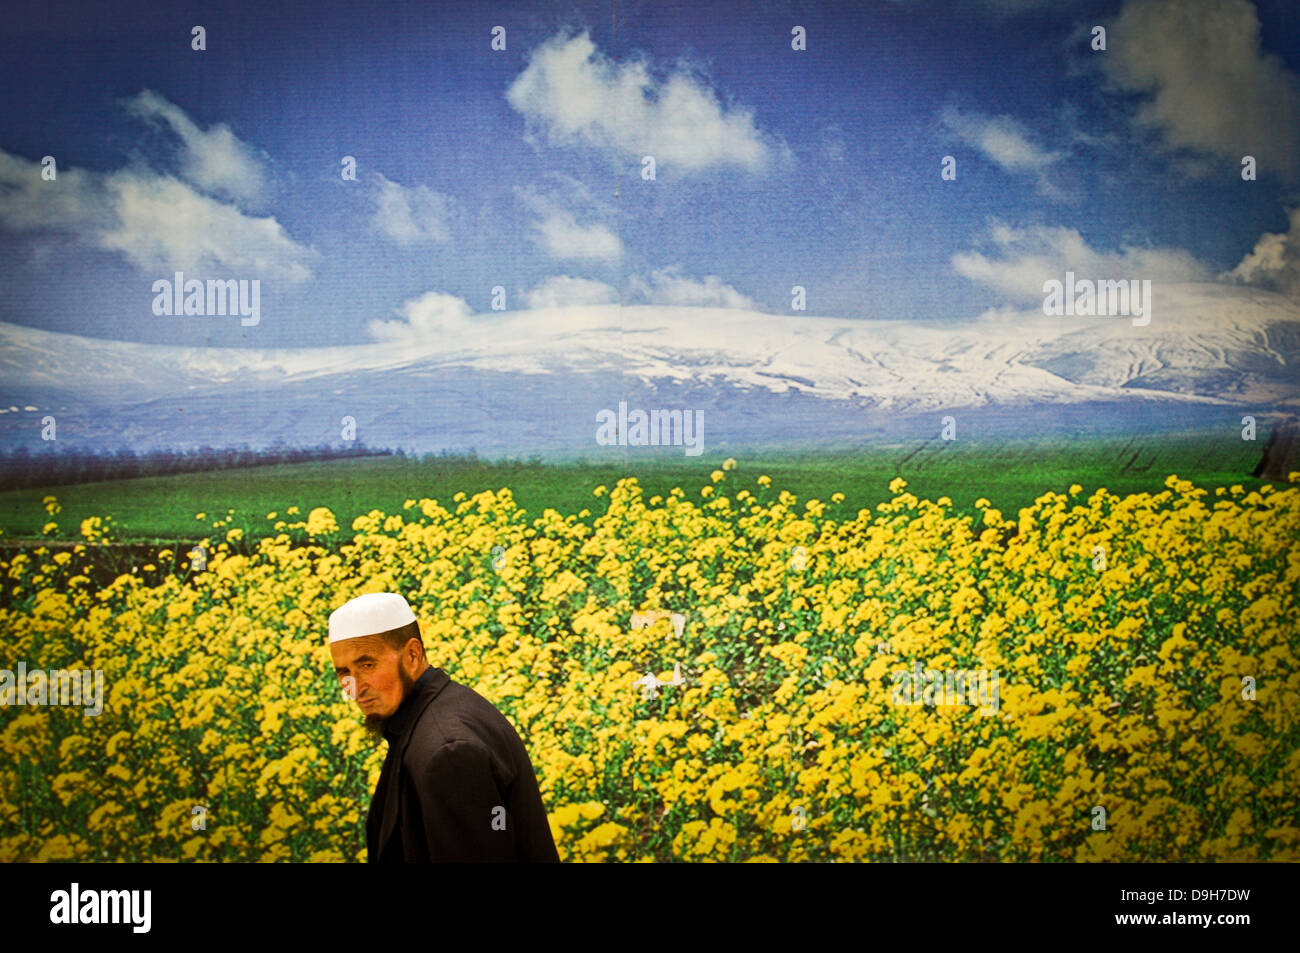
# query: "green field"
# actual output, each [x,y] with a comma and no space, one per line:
[1009,474]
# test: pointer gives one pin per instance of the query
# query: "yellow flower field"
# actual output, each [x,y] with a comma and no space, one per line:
[1146,648]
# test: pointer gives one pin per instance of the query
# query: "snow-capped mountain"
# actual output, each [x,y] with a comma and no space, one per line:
[517,383]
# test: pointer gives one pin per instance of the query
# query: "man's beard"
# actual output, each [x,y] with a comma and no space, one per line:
[375,724]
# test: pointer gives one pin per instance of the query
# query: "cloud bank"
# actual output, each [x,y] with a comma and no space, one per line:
[1207,83]
[577,95]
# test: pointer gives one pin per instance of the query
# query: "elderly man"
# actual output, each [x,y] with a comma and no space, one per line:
[457,784]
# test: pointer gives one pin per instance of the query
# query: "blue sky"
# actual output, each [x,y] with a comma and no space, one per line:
[521,168]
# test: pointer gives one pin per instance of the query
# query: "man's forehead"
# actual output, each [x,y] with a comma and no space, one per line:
[372,645]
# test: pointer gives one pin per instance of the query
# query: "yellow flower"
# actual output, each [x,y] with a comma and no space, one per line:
[320,521]
[59,847]
[219,689]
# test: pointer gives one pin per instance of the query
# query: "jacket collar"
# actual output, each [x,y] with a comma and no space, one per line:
[398,722]
[403,721]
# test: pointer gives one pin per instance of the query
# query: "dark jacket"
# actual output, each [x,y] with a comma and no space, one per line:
[453,762]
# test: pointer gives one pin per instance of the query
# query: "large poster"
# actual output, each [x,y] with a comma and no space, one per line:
[782,432]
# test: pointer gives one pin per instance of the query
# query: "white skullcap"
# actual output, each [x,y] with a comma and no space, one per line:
[370,614]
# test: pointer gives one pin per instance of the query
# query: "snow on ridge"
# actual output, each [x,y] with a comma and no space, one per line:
[1011,356]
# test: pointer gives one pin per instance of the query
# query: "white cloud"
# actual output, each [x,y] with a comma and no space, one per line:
[157,222]
[163,224]
[669,287]
[563,237]
[410,214]
[1028,257]
[1274,263]
[577,94]
[1210,85]
[30,203]
[1001,138]
[558,232]
[216,160]
[436,315]
[565,291]
[429,316]
[1004,141]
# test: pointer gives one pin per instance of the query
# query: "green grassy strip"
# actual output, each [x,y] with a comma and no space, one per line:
[1009,474]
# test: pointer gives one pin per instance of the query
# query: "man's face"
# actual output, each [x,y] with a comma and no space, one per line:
[374,674]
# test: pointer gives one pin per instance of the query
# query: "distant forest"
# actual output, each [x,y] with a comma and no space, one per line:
[21,469]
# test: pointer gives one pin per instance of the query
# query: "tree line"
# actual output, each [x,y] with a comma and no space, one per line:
[20,469]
